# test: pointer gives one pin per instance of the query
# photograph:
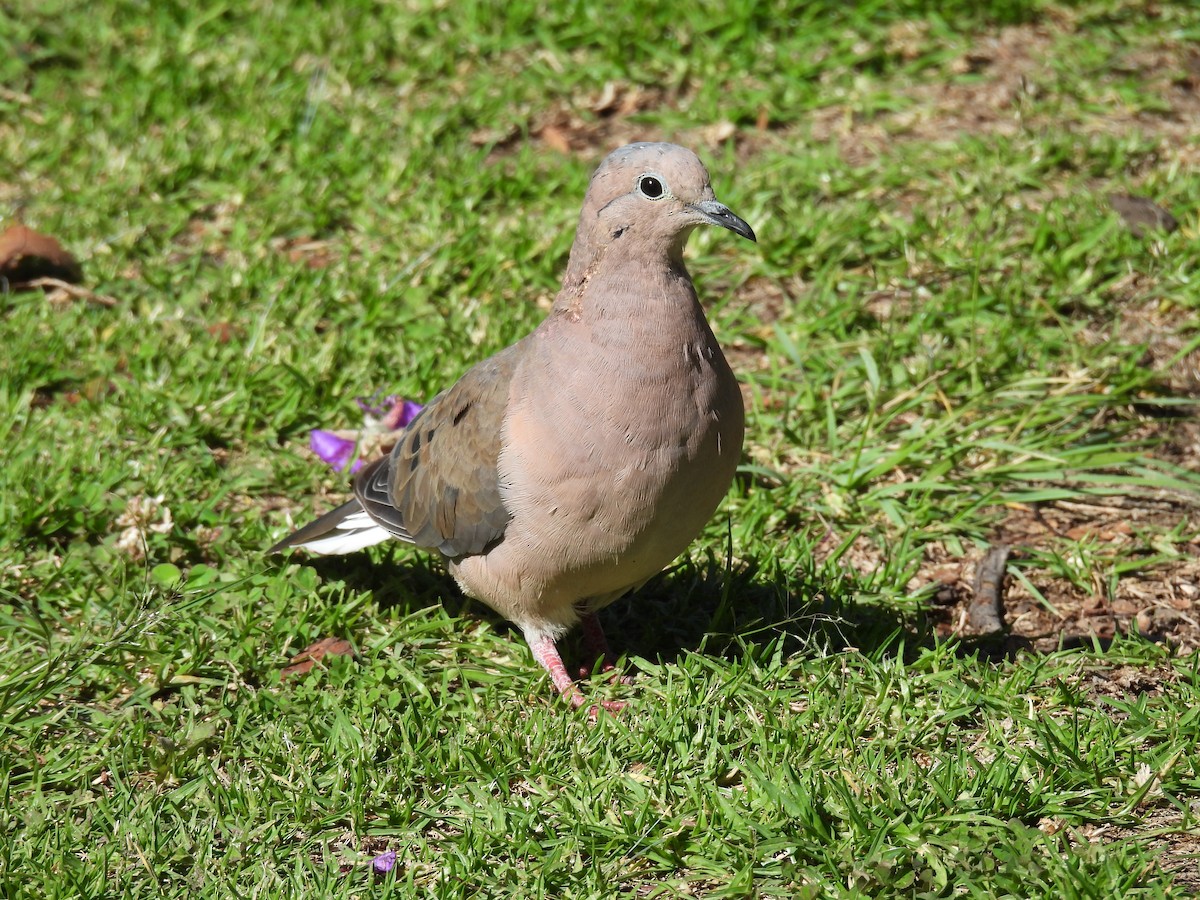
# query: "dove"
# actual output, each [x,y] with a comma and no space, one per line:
[570,468]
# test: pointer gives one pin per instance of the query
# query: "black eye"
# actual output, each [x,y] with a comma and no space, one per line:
[650,186]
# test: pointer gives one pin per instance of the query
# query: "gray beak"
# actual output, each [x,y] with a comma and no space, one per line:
[719,214]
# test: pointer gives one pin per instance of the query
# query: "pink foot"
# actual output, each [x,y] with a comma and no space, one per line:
[546,654]
[609,706]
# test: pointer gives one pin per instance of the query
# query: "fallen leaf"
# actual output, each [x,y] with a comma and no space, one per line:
[310,252]
[303,661]
[717,133]
[1109,531]
[1141,214]
[555,139]
[27,255]
[222,332]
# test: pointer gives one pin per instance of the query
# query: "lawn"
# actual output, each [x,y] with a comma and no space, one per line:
[950,343]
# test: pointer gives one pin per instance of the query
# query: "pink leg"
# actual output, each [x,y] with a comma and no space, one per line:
[546,654]
[595,647]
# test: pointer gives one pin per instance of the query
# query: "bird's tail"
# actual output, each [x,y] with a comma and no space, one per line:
[342,530]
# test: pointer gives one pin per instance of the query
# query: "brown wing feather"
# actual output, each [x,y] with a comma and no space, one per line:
[372,491]
[439,487]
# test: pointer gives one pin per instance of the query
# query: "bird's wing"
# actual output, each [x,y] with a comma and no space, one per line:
[440,487]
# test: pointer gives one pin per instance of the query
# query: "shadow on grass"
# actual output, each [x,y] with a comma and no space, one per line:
[705,607]
[399,577]
[696,607]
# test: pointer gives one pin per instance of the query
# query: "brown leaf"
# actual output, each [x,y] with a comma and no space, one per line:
[947,574]
[307,251]
[555,139]
[607,101]
[1109,531]
[1141,214]
[27,255]
[717,133]
[222,332]
[303,661]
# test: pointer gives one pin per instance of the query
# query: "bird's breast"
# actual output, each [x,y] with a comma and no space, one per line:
[623,453]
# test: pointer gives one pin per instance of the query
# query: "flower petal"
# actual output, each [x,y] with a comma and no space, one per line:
[401,413]
[384,862]
[374,407]
[336,451]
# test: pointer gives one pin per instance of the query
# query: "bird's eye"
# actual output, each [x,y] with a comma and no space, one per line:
[651,187]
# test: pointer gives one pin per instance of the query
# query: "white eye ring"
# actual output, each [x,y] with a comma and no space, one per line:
[651,186]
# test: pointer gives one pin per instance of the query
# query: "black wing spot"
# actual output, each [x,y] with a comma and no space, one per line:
[414,445]
[429,435]
[413,463]
[458,416]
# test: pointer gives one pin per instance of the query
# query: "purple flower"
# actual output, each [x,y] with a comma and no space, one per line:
[337,451]
[371,406]
[391,414]
[401,413]
[384,862]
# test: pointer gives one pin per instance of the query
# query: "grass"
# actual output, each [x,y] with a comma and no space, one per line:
[947,335]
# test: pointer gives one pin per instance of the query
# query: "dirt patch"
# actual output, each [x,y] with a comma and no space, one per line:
[1127,682]
[770,299]
[1103,594]
[307,251]
[207,233]
[1006,84]
[1162,830]
[1080,572]
[596,123]
[586,126]
[1168,332]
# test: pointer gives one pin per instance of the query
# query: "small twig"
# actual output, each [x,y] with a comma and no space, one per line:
[15,97]
[25,101]
[986,613]
[74,291]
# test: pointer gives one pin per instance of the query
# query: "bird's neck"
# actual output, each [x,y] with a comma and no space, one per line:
[631,272]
